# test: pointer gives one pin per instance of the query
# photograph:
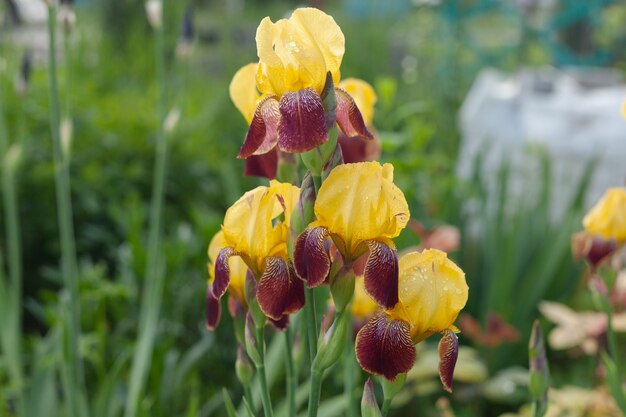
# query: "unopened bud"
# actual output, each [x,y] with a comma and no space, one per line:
[154,13]
[369,406]
[539,371]
[332,343]
[251,345]
[243,367]
[316,159]
[342,286]
[329,101]
[335,159]
[599,293]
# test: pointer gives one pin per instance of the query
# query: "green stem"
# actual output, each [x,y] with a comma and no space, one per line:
[612,340]
[291,374]
[311,322]
[73,369]
[11,217]
[314,392]
[265,393]
[386,406]
[247,394]
[154,273]
[348,377]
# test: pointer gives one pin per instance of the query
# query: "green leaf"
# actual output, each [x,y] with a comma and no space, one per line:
[614,381]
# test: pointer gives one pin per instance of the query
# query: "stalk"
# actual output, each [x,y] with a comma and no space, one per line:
[311,322]
[348,377]
[73,374]
[315,391]
[386,406]
[265,393]
[154,272]
[13,342]
[291,374]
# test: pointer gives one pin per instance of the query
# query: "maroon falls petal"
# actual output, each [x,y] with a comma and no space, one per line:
[222,272]
[448,354]
[212,310]
[263,131]
[282,323]
[311,258]
[381,274]
[279,291]
[264,165]
[349,116]
[302,123]
[384,346]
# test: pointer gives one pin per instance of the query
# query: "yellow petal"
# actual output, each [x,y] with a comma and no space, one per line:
[432,292]
[238,268]
[360,202]
[363,306]
[253,225]
[296,53]
[608,217]
[364,96]
[243,91]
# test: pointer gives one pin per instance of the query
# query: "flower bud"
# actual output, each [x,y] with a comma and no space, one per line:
[329,101]
[391,388]
[251,345]
[243,367]
[369,406]
[539,371]
[302,214]
[332,343]
[316,158]
[342,287]
[154,13]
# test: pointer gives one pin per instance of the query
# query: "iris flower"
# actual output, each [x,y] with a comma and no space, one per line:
[354,149]
[359,209]
[237,302]
[299,60]
[608,217]
[432,292]
[256,229]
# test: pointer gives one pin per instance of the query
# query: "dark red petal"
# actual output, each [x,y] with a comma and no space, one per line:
[263,131]
[358,150]
[349,116]
[384,346]
[381,274]
[282,323]
[317,259]
[212,310]
[299,254]
[279,291]
[262,165]
[448,354]
[600,249]
[302,123]
[222,272]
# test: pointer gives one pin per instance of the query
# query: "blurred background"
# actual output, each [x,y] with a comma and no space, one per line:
[502,119]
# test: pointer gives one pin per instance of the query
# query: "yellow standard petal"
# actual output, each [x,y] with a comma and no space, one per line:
[243,91]
[257,225]
[432,292]
[238,268]
[296,53]
[360,202]
[608,217]
[364,96]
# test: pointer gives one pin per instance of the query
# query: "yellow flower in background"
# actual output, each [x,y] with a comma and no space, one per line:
[432,292]
[360,208]
[255,230]
[238,268]
[243,91]
[608,217]
[364,96]
[298,52]
[363,306]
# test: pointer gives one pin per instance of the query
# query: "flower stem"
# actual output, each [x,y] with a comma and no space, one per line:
[265,393]
[311,322]
[154,272]
[247,394]
[314,391]
[386,406]
[73,376]
[13,342]
[348,377]
[291,374]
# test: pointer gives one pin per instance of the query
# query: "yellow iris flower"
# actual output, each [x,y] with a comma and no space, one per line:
[360,208]
[608,217]
[432,292]
[256,229]
[298,52]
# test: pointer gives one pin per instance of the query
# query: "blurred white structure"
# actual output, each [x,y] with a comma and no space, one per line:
[573,116]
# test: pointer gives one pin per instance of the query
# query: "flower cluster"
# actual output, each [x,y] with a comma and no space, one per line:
[280,242]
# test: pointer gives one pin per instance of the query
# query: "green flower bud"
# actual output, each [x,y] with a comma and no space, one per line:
[369,406]
[243,367]
[332,342]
